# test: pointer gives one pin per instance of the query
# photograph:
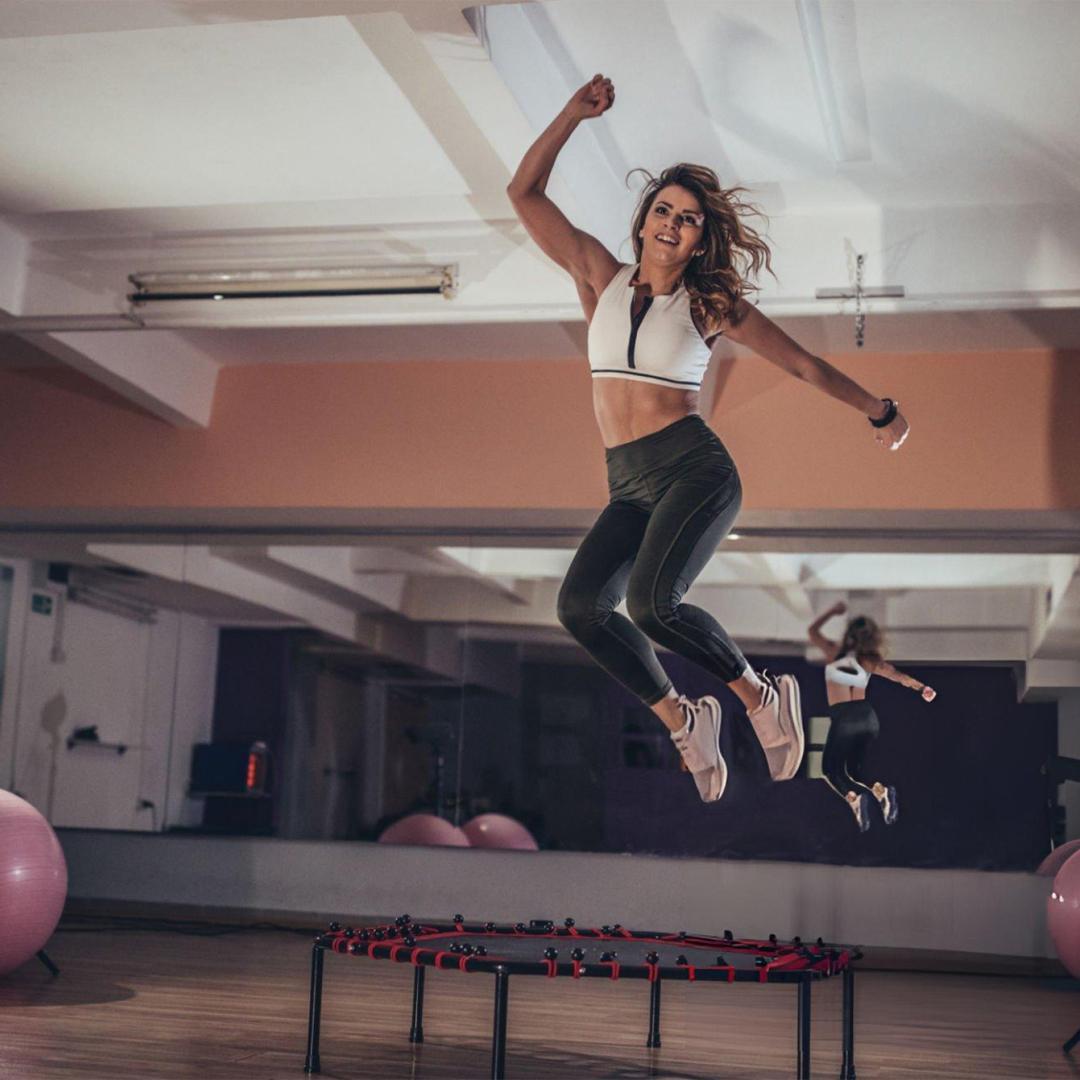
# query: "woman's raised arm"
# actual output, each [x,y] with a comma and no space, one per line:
[826,645]
[590,264]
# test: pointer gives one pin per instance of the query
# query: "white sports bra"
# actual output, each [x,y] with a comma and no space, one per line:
[847,671]
[660,344]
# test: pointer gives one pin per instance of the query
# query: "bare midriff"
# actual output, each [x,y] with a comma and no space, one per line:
[627,409]
[838,695]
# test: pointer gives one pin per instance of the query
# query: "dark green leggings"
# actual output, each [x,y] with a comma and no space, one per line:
[674,496]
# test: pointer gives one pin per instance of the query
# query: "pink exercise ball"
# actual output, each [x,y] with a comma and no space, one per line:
[33,881]
[1063,914]
[1057,859]
[426,829]
[499,831]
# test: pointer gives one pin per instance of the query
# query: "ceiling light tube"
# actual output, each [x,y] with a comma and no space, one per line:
[871,292]
[153,286]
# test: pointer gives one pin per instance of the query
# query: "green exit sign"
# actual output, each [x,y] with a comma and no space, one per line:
[41,603]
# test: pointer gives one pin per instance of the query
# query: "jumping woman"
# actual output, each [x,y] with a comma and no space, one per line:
[854,726]
[674,488]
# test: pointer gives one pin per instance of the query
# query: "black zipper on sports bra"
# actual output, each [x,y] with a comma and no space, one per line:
[635,325]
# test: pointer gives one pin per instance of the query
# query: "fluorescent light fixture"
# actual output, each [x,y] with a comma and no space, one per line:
[127,607]
[871,292]
[220,285]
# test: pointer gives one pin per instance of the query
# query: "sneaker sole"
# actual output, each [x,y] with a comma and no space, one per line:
[893,812]
[712,708]
[791,704]
[863,821]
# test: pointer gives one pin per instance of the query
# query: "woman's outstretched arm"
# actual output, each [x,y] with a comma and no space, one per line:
[590,264]
[887,671]
[826,645]
[759,333]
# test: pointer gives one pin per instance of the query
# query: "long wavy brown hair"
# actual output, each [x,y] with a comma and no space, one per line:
[864,638]
[735,252]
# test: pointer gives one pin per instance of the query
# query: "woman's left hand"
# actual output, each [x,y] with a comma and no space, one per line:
[928,693]
[892,437]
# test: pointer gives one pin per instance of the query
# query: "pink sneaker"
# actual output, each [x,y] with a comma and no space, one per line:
[777,722]
[699,744]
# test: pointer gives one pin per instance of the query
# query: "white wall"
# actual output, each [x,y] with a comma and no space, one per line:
[18,600]
[1069,746]
[955,910]
[146,686]
[192,711]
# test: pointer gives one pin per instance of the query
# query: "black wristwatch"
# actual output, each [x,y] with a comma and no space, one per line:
[891,409]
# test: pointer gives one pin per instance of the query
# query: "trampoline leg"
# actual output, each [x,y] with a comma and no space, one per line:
[803,1061]
[416,1032]
[311,1064]
[1067,1047]
[498,1029]
[43,956]
[847,1065]
[654,1016]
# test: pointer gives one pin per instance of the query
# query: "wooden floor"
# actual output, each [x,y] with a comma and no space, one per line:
[162,1005]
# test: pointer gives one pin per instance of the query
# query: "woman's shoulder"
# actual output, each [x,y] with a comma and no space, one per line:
[616,274]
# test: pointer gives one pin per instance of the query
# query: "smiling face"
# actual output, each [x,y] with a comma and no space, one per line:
[673,227]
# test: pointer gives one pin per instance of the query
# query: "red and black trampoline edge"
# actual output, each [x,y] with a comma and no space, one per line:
[541,948]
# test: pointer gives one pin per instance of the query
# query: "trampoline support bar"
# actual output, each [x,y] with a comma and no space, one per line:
[803,1062]
[498,1030]
[311,1064]
[654,1015]
[847,1067]
[416,1032]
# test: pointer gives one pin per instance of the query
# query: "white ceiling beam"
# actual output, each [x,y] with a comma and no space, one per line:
[536,67]
[156,370]
[829,37]
[409,63]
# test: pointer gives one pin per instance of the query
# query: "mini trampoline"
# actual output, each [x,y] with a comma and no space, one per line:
[542,948]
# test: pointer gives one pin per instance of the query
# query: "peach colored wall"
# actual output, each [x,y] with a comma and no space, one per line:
[989,431]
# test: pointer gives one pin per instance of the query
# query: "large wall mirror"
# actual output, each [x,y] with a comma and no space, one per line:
[330,686]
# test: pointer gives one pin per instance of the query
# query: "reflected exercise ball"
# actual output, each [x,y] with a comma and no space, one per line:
[499,831]
[33,881]
[425,829]
[1057,858]
[1063,914]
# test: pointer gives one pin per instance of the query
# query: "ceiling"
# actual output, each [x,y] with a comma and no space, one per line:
[938,139]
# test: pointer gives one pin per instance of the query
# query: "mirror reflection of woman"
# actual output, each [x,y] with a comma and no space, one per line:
[674,488]
[853,723]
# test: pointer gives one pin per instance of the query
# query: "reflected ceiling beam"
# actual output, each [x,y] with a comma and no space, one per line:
[516,591]
[198,566]
[1041,679]
[159,372]
[435,649]
[326,571]
[1059,617]
[877,571]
